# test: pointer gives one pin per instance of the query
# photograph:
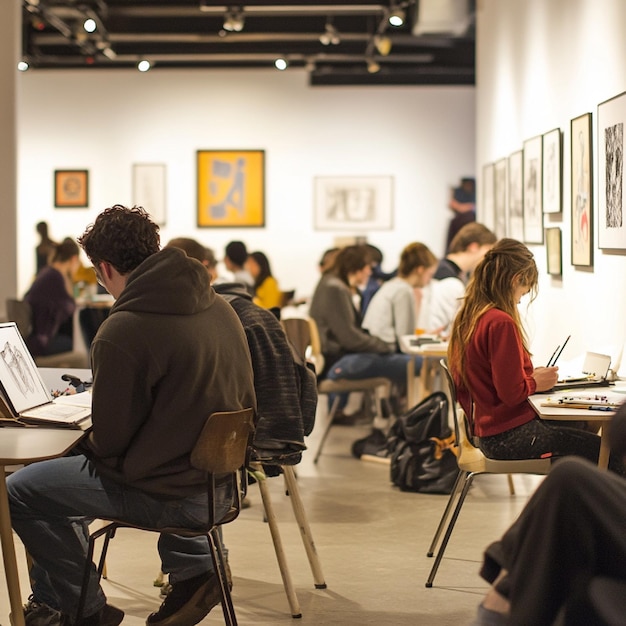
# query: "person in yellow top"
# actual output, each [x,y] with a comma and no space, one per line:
[267,293]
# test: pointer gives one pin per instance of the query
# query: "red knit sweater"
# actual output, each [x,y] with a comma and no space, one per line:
[499,374]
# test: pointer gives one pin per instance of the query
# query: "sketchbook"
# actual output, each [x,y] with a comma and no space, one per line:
[23,394]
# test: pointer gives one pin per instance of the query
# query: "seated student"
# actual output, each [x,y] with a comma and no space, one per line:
[569,535]
[443,297]
[328,259]
[235,258]
[489,359]
[286,394]
[332,308]
[267,293]
[392,311]
[52,301]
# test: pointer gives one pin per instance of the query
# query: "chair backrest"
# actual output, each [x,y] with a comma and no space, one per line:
[303,334]
[470,458]
[20,312]
[222,445]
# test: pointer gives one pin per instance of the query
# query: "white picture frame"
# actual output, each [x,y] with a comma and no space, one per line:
[552,171]
[515,224]
[354,203]
[533,200]
[149,189]
[611,201]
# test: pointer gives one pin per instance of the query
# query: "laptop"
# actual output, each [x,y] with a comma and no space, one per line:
[23,393]
[594,373]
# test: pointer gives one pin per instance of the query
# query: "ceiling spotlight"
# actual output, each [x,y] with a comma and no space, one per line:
[281,64]
[109,53]
[234,20]
[90,25]
[397,17]
[22,65]
[330,35]
[372,66]
[383,44]
[143,65]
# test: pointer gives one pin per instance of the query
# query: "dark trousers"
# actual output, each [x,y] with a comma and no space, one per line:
[572,530]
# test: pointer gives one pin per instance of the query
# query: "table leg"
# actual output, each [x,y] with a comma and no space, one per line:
[8,555]
[603,458]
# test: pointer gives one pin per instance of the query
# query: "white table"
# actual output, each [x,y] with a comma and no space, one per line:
[19,446]
[421,386]
[615,392]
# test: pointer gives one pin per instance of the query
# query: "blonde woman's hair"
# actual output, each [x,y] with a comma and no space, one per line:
[413,256]
[492,286]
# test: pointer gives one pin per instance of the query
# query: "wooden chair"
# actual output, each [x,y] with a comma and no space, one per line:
[472,462]
[20,312]
[221,449]
[304,335]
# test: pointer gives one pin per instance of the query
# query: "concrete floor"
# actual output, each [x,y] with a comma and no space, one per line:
[371,538]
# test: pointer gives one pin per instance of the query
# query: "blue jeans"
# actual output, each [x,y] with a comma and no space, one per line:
[52,502]
[370,365]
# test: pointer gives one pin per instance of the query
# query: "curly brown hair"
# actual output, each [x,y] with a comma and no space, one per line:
[121,236]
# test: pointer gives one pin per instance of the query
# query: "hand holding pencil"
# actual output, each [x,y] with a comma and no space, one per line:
[545,377]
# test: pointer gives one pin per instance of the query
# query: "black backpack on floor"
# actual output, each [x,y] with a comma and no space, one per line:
[421,447]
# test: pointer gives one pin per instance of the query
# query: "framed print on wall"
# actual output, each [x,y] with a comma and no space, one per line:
[231,188]
[553,251]
[552,171]
[500,198]
[515,227]
[487,212]
[611,222]
[71,188]
[149,189]
[533,200]
[582,191]
[353,203]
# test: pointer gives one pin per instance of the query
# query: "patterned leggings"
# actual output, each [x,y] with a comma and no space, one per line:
[542,437]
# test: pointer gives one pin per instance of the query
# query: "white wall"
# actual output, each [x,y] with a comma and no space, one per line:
[105,121]
[540,64]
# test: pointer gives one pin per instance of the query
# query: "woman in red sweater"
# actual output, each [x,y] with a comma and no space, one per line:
[490,362]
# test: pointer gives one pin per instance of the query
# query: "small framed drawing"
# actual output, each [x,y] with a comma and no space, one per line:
[500,198]
[353,202]
[611,222]
[71,189]
[553,250]
[515,226]
[149,189]
[487,213]
[552,171]
[582,191]
[533,201]
[231,188]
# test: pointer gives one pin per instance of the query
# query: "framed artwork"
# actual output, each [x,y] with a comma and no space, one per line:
[582,191]
[231,188]
[553,250]
[552,171]
[487,213]
[149,189]
[611,222]
[515,226]
[353,203]
[71,188]
[532,201]
[499,206]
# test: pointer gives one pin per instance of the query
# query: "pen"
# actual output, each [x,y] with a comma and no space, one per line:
[550,359]
[601,408]
[556,358]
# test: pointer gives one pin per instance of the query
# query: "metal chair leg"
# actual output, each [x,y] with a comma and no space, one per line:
[433,572]
[511,484]
[329,423]
[303,525]
[217,556]
[442,522]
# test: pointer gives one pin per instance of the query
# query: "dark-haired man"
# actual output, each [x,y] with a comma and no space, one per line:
[170,353]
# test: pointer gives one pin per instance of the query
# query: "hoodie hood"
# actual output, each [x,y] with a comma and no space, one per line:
[232,289]
[167,283]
